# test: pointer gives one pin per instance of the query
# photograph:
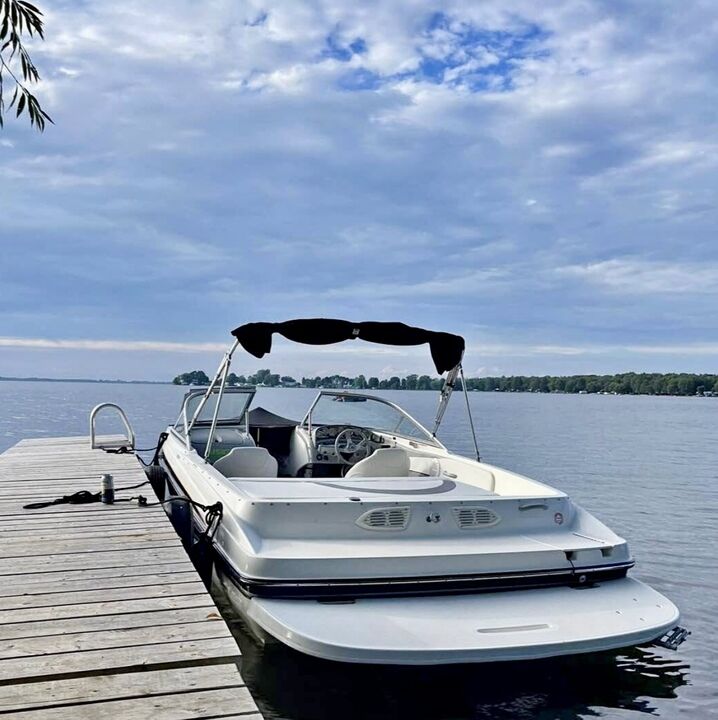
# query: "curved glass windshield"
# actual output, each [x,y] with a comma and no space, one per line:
[232,407]
[367,412]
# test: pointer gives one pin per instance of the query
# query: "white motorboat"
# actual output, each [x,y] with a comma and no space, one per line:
[355,535]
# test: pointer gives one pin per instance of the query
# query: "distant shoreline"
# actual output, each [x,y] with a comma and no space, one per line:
[505,390]
[85,380]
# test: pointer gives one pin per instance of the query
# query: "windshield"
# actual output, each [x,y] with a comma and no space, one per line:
[231,409]
[367,412]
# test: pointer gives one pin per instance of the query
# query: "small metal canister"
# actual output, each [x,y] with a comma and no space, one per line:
[107,490]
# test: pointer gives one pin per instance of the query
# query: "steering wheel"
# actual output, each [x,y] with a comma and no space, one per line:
[352,445]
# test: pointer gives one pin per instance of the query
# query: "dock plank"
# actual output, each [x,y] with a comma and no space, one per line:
[37,584]
[127,659]
[99,559]
[60,599]
[199,705]
[102,688]
[150,618]
[106,638]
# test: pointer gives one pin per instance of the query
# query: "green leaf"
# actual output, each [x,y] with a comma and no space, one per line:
[30,6]
[20,105]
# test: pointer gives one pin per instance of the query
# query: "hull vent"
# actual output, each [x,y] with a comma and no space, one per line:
[475,517]
[391,518]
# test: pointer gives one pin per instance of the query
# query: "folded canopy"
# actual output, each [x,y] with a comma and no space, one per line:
[261,418]
[446,349]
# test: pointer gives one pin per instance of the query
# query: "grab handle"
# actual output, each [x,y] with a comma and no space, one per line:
[128,441]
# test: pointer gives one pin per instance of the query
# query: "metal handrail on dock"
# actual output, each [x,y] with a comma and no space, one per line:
[129,441]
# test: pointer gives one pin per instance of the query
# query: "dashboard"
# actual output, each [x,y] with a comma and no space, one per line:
[325,435]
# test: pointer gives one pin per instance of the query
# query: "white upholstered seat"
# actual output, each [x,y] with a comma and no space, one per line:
[425,466]
[384,462]
[244,462]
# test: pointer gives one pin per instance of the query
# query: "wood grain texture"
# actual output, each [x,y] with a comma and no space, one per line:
[112,687]
[90,591]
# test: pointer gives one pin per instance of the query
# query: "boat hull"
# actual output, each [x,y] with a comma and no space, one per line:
[488,627]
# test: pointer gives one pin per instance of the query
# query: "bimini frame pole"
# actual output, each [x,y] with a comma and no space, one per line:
[218,375]
[215,414]
[446,391]
[468,412]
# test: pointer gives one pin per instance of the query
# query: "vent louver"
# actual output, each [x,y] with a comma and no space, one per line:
[475,517]
[391,518]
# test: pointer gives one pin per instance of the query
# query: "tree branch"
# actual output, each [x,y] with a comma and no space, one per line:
[18,17]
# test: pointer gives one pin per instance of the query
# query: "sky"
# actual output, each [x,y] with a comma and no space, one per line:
[541,178]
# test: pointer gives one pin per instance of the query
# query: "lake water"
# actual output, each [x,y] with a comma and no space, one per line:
[646,466]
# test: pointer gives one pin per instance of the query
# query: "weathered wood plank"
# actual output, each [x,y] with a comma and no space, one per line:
[88,532]
[99,559]
[134,657]
[92,511]
[73,547]
[113,687]
[76,468]
[204,610]
[28,490]
[64,440]
[187,706]
[10,605]
[39,584]
[43,478]
[18,525]
[110,607]
[66,540]
[85,535]
[108,638]
[83,512]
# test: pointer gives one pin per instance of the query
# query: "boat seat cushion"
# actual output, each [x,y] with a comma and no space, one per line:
[383,462]
[425,466]
[243,462]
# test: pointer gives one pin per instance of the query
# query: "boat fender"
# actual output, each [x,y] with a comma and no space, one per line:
[157,477]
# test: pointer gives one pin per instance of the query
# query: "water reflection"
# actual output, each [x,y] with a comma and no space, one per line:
[287,684]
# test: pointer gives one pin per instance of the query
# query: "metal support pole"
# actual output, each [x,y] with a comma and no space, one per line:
[215,415]
[444,396]
[227,358]
[468,411]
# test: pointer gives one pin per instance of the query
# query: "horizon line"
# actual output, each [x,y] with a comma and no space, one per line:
[120,381]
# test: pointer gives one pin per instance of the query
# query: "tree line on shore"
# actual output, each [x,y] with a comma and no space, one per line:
[621,384]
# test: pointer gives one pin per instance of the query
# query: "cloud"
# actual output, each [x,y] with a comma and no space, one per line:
[633,276]
[113,345]
[541,173]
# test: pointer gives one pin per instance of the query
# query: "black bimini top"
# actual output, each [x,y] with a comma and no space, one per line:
[446,349]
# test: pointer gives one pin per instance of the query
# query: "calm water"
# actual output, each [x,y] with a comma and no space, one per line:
[646,466]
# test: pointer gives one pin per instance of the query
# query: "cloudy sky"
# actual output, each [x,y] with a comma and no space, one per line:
[540,177]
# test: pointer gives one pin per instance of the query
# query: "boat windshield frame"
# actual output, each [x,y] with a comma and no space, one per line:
[185,423]
[427,439]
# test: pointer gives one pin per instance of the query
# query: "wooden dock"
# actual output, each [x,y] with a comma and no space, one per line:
[102,614]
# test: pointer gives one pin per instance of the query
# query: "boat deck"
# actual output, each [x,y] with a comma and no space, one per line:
[102,613]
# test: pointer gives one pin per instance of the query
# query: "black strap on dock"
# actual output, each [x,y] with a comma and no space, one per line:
[82,497]
[79,498]
[213,513]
